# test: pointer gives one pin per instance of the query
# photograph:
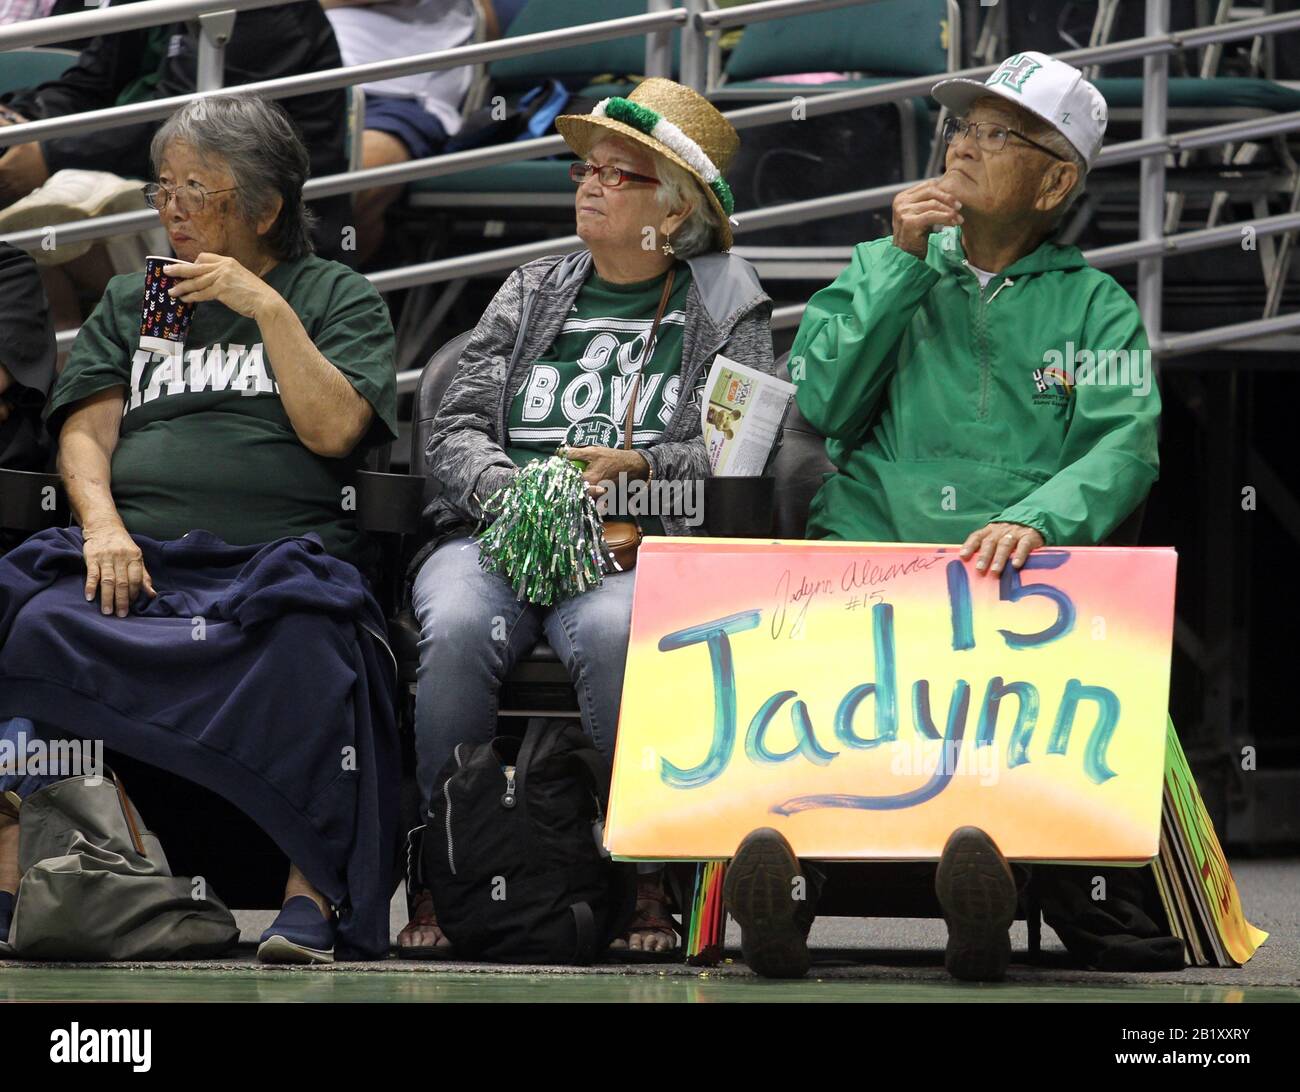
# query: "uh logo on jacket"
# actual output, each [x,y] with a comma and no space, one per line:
[158,372]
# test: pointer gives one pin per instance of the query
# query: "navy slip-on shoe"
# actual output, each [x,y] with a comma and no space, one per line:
[299,934]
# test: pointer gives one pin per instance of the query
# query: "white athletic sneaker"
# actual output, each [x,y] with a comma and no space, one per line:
[66,196]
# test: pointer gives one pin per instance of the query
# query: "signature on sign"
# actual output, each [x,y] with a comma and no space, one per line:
[857,574]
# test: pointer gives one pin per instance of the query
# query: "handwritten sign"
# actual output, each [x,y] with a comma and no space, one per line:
[865,700]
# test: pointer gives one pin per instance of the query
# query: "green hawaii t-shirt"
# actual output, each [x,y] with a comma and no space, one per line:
[577,392]
[205,442]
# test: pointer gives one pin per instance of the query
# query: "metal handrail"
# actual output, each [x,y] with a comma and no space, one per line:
[453,163]
[504,258]
[1151,183]
[1154,47]
[1218,337]
[1189,139]
[89,24]
[744,14]
[332,79]
[1108,257]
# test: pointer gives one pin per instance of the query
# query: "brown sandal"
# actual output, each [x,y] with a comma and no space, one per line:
[647,920]
[423,919]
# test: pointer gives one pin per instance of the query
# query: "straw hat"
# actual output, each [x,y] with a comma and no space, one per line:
[672,120]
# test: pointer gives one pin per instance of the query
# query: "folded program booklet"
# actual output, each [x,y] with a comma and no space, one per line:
[741,417]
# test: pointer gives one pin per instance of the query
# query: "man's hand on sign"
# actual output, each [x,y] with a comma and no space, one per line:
[997,542]
[921,209]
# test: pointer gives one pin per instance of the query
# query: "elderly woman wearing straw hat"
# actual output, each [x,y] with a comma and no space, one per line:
[563,357]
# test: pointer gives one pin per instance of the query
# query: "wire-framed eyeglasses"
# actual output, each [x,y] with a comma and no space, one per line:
[991,136]
[190,198]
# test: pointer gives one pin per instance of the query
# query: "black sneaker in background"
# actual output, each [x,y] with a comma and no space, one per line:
[772,909]
[978,895]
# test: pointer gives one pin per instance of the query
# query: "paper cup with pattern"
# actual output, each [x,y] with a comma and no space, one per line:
[164,322]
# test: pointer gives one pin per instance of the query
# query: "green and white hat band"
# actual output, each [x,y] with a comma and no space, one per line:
[659,128]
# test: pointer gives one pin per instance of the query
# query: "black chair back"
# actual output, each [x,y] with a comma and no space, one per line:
[1129,532]
[799,468]
[31,502]
[434,381]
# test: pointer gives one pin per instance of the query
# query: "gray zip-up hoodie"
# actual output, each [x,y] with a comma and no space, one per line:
[726,309]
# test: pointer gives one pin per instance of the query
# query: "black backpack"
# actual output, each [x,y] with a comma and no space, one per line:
[510,850]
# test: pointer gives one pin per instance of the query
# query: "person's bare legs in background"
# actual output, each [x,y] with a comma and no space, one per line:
[378,149]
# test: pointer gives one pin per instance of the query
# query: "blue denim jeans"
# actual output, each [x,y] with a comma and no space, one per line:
[473,630]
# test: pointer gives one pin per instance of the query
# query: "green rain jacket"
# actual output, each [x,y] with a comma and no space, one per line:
[946,407]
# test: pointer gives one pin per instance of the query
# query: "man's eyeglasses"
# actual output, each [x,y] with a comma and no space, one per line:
[609,175]
[190,198]
[989,135]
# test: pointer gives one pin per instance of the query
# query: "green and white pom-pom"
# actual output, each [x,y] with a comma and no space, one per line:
[547,540]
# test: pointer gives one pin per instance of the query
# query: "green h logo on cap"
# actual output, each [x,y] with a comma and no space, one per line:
[1014,71]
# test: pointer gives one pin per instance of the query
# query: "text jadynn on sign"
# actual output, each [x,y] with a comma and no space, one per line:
[865,700]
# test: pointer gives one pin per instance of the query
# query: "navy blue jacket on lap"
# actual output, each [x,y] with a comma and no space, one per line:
[258,672]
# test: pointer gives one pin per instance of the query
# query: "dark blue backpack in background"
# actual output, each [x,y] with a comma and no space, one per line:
[521,116]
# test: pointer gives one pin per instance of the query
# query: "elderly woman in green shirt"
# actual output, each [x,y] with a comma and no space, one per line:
[252,427]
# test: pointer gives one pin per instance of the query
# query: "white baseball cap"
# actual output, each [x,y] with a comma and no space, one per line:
[1051,89]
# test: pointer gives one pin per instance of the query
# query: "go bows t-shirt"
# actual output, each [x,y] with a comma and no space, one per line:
[205,441]
[577,392]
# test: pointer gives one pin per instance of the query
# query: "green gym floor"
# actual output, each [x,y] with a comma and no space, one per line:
[894,960]
[118,985]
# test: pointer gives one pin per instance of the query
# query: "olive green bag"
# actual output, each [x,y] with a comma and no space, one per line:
[96,884]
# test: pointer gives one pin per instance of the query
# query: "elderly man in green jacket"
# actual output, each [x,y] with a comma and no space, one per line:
[981,380]
[976,382]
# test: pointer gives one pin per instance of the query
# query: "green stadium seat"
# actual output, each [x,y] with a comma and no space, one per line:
[915,112]
[878,43]
[575,65]
[605,89]
[891,38]
[22,68]
[1216,93]
[542,179]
